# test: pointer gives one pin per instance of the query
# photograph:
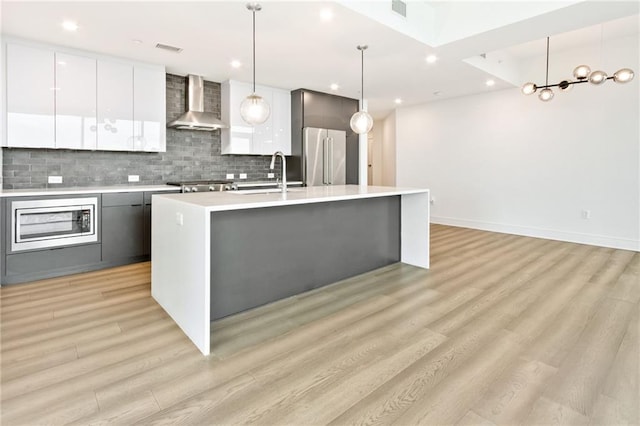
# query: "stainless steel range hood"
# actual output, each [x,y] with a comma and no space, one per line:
[196,118]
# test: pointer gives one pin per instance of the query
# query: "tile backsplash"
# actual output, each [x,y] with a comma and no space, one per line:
[190,155]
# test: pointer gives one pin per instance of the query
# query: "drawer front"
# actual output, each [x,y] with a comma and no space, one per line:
[147,195]
[122,199]
[52,260]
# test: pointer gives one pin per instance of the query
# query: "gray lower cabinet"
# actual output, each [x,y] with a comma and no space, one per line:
[125,231]
[123,227]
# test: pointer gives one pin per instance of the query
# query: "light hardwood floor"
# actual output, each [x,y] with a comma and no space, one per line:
[501,330]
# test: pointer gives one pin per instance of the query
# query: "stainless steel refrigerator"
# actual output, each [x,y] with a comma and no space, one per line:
[325,156]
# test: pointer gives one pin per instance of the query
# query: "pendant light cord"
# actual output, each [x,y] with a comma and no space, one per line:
[254,51]
[547,78]
[361,77]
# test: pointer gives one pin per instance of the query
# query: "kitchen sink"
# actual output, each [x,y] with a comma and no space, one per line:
[263,191]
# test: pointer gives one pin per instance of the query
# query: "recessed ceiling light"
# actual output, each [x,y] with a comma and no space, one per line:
[236,64]
[437,93]
[398,101]
[334,86]
[136,41]
[490,83]
[63,63]
[326,14]
[432,58]
[70,26]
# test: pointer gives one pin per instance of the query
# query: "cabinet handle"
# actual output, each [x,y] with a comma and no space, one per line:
[136,205]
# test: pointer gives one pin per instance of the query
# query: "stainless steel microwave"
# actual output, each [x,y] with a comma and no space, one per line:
[53,222]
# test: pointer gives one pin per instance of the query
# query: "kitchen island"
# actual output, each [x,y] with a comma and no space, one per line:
[218,253]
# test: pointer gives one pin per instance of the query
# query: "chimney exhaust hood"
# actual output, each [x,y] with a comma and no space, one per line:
[196,118]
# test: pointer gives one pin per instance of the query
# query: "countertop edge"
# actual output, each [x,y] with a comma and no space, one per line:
[84,190]
[295,199]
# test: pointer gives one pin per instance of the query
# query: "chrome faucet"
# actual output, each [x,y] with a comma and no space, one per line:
[284,168]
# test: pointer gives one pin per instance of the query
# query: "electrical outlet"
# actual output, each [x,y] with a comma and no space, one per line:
[230,175]
[54,179]
[271,175]
[134,178]
[243,175]
[179,219]
[586,214]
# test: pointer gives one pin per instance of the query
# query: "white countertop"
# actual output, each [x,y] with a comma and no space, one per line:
[236,200]
[84,190]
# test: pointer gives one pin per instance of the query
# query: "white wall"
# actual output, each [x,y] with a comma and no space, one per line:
[510,163]
[388,162]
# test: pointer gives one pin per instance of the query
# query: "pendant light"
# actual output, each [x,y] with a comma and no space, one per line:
[361,122]
[254,109]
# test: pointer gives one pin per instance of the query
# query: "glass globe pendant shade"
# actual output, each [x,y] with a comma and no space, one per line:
[597,77]
[529,88]
[623,75]
[581,72]
[361,122]
[546,95]
[254,110]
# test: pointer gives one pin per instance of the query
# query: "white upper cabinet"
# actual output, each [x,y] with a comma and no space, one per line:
[115,106]
[30,97]
[75,100]
[149,111]
[63,98]
[264,139]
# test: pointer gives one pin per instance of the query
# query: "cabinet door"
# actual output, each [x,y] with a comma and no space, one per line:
[281,122]
[75,102]
[237,139]
[316,107]
[115,106]
[149,111]
[262,142]
[30,97]
[122,232]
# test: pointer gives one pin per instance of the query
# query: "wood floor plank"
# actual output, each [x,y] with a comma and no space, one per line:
[512,395]
[547,412]
[126,412]
[447,402]
[473,419]
[581,376]
[623,381]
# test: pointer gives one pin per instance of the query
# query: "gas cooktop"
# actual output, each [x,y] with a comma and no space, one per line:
[204,185]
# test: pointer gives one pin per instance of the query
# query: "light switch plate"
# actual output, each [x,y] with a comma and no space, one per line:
[243,175]
[179,219]
[230,176]
[134,178]
[54,179]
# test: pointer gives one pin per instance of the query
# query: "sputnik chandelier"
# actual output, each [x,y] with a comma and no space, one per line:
[582,74]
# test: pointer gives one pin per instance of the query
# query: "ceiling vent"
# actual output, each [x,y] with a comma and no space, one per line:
[169,48]
[399,7]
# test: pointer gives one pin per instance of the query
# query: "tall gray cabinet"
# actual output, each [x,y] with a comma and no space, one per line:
[322,110]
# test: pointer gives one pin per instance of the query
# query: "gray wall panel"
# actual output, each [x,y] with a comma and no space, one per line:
[262,255]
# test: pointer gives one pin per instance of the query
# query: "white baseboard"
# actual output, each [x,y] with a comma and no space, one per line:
[550,234]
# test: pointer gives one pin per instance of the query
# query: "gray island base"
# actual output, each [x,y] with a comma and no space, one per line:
[217,254]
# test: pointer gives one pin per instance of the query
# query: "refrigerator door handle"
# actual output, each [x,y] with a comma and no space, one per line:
[330,158]
[325,165]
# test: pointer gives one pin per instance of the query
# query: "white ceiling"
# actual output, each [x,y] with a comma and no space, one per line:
[296,49]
